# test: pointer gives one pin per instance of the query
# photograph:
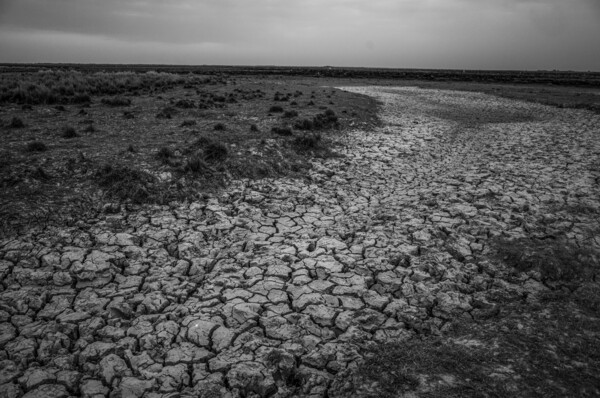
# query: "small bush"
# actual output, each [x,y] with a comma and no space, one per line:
[60,108]
[285,131]
[128,115]
[164,154]
[81,99]
[69,132]
[555,260]
[304,124]
[325,120]
[196,165]
[125,183]
[276,109]
[166,113]
[253,127]
[188,123]
[185,104]
[116,101]
[219,127]
[36,146]
[307,142]
[40,174]
[131,149]
[290,113]
[16,123]
[215,152]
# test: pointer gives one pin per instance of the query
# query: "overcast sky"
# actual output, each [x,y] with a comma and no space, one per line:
[463,34]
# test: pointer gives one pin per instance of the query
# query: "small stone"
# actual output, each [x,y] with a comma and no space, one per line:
[111,367]
[48,391]
[7,333]
[331,243]
[36,377]
[92,388]
[187,353]
[251,377]
[199,332]
[134,387]
[8,371]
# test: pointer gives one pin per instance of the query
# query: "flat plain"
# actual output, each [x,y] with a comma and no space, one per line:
[271,233]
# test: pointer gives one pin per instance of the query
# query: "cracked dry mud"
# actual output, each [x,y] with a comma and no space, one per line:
[269,288]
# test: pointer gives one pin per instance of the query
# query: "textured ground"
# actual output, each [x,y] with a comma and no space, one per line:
[271,288]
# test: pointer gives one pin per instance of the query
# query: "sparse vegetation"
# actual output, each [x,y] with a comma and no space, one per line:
[116,101]
[556,260]
[16,123]
[165,155]
[188,123]
[291,113]
[196,165]
[321,121]
[126,183]
[167,113]
[36,146]
[69,132]
[285,131]
[215,152]
[307,141]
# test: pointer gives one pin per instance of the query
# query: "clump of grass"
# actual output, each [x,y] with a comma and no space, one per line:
[131,149]
[69,132]
[291,113]
[60,108]
[165,155]
[16,123]
[166,113]
[556,260]
[126,183]
[307,142]
[90,129]
[321,121]
[253,128]
[215,152]
[116,101]
[285,131]
[196,165]
[188,123]
[36,146]
[326,120]
[185,104]
[276,109]
[128,115]
[219,127]
[40,174]
[81,99]
[304,124]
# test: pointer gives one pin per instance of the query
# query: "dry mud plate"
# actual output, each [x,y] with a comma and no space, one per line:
[276,287]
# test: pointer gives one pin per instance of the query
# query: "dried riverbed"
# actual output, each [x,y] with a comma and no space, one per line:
[271,288]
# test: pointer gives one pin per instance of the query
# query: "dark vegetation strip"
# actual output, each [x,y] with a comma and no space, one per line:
[562,78]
